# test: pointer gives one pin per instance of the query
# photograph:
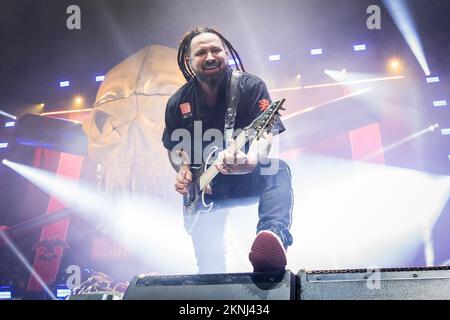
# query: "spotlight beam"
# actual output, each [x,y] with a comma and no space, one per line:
[353,82]
[27,265]
[339,83]
[309,109]
[65,112]
[70,192]
[6,114]
[400,142]
[285,89]
[138,223]
[399,12]
[35,223]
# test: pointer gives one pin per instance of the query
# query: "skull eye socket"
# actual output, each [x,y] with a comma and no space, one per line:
[100,120]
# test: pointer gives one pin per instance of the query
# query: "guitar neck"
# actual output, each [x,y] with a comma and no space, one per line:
[212,171]
[254,129]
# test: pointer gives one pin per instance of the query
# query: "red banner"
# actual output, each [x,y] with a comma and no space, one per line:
[52,243]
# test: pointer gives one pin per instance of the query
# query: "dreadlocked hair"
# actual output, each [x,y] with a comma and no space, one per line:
[185,44]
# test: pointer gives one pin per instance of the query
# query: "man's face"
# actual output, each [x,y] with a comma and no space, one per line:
[208,58]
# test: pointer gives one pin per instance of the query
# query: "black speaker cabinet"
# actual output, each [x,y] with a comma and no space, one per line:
[384,284]
[232,286]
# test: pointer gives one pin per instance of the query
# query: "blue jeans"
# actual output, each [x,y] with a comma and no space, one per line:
[274,192]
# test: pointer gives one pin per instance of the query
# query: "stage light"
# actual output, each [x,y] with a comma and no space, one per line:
[78,100]
[274,57]
[433,79]
[62,293]
[4,161]
[3,145]
[231,62]
[445,132]
[99,78]
[298,76]
[40,108]
[402,18]
[315,52]
[440,103]
[5,294]
[37,108]
[394,65]
[63,84]
[359,47]
[9,124]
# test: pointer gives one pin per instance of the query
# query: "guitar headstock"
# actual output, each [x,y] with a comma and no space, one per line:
[267,119]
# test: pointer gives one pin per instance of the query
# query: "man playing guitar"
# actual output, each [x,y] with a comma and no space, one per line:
[217,98]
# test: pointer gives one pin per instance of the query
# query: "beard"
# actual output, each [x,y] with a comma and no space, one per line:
[213,80]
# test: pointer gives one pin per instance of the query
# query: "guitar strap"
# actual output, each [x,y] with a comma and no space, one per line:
[232,102]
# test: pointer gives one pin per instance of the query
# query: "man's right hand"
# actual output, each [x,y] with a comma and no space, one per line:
[183,178]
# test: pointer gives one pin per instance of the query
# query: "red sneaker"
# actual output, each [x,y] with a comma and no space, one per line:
[267,252]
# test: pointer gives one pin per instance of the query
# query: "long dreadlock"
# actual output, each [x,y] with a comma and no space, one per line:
[185,44]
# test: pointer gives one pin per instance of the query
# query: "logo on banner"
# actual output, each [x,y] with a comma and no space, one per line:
[105,249]
[49,246]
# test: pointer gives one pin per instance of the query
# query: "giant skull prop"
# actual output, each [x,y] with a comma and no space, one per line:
[127,121]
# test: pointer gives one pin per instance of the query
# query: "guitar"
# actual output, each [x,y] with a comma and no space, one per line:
[194,201]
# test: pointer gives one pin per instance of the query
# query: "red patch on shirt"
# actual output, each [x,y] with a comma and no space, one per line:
[185,108]
[263,104]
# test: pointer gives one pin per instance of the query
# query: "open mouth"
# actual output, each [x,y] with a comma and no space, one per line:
[211,67]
